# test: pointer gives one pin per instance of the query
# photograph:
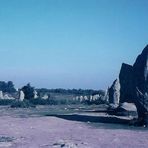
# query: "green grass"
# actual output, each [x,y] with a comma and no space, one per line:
[43,110]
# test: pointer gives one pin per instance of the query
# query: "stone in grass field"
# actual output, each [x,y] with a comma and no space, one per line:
[21,95]
[1,95]
[35,94]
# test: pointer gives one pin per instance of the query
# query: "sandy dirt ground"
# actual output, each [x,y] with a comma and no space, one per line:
[52,132]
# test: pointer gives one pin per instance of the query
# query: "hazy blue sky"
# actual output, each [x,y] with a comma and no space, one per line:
[70,43]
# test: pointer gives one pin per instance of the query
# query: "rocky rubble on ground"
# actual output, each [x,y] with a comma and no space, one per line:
[64,144]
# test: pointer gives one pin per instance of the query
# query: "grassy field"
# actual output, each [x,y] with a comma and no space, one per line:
[43,110]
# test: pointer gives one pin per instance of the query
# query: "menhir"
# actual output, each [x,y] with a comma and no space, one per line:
[114,93]
[134,85]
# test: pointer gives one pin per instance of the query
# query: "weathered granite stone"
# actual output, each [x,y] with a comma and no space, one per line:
[96,97]
[45,97]
[114,93]
[81,98]
[8,97]
[141,103]
[128,106]
[1,95]
[85,98]
[140,69]
[21,95]
[127,83]
[91,98]
[106,96]
[35,94]
[140,89]
[134,85]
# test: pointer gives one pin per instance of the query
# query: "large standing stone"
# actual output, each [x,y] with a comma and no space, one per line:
[114,93]
[134,85]
[140,69]
[127,83]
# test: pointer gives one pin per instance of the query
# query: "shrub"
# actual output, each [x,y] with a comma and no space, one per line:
[40,101]
[6,101]
[7,87]
[22,104]
[28,91]
[63,101]
[52,101]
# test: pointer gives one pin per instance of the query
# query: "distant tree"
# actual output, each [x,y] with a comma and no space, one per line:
[7,87]
[10,87]
[82,92]
[2,86]
[28,91]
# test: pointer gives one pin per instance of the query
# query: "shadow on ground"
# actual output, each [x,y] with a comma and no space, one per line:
[94,119]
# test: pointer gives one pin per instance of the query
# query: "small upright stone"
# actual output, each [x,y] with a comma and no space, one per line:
[35,94]
[106,96]
[1,95]
[21,95]
[45,97]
